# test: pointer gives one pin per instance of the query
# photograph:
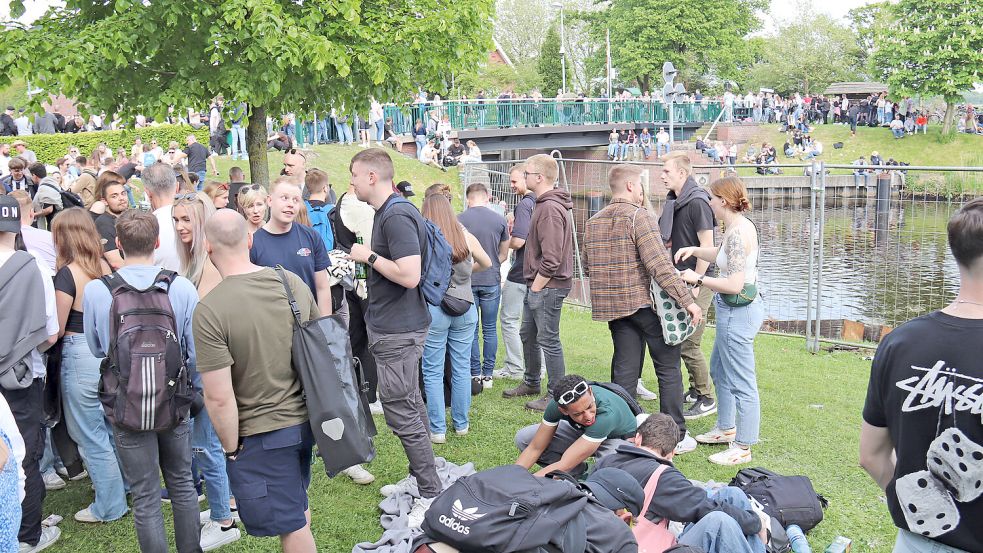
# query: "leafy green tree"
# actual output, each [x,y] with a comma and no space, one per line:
[550,65]
[132,56]
[932,48]
[494,78]
[864,22]
[698,36]
[807,55]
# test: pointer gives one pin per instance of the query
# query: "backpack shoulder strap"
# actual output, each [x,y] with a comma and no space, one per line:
[166,278]
[115,283]
[18,261]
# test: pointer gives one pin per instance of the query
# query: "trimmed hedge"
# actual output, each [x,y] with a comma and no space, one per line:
[50,147]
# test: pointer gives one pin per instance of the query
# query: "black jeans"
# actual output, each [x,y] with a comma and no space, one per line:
[630,335]
[26,407]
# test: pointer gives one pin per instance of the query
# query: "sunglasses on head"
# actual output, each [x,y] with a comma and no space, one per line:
[245,189]
[570,396]
[190,197]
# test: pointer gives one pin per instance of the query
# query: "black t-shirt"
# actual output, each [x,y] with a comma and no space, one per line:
[687,221]
[106,225]
[925,388]
[520,229]
[397,232]
[197,156]
[455,150]
[65,282]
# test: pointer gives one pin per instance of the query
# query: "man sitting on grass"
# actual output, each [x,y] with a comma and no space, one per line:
[720,521]
[580,421]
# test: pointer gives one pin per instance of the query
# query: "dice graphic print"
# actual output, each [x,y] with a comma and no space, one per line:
[928,507]
[958,462]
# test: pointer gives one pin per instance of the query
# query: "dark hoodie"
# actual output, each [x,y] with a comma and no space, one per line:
[683,217]
[676,498]
[549,245]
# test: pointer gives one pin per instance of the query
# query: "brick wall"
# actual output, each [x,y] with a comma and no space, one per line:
[736,132]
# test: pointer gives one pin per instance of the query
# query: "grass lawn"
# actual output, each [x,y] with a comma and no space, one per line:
[920,149]
[810,425]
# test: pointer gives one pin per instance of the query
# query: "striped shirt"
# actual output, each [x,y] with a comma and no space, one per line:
[622,257]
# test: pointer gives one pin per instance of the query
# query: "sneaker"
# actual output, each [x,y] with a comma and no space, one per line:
[486,382]
[717,436]
[85,515]
[691,396]
[359,475]
[703,407]
[522,390]
[462,431]
[376,408]
[49,535]
[199,488]
[686,445]
[733,455]
[419,510]
[506,373]
[52,481]
[205,516]
[62,471]
[79,476]
[438,438]
[214,535]
[645,393]
[538,404]
[406,485]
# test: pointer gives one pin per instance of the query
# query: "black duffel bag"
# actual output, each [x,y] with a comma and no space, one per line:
[335,395]
[790,499]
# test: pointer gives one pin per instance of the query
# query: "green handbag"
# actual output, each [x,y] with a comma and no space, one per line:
[742,298]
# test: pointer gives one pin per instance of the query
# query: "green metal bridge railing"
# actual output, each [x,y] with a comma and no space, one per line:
[497,114]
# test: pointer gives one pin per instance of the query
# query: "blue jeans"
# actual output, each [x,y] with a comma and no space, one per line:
[201,179]
[322,131]
[858,176]
[129,195]
[661,149]
[910,542]
[717,532]
[647,150]
[732,369]
[49,460]
[898,133]
[380,126]
[207,451]
[346,129]
[457,334]
[623,150]
[613,149]
[88,426]
[486,299]
[880,116]
[421,141]
[239,142]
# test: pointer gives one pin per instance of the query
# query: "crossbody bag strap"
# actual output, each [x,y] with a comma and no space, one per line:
[650,486]
[294,308]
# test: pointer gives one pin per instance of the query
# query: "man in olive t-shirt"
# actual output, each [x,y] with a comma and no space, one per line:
[244,327]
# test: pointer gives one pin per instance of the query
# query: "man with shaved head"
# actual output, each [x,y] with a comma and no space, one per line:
[243,331]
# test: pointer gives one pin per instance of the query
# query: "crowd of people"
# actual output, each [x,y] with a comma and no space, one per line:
[236,425]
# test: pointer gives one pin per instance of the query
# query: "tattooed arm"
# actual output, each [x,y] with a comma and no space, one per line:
[731,280]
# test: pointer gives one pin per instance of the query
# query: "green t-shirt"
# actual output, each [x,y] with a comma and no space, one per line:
[614,418]
[245,323]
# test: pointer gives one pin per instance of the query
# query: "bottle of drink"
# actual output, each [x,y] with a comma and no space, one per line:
[361,272]
[840,544]
[797,539]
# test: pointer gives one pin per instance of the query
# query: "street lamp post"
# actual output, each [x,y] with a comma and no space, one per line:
[670,92]
[563,41]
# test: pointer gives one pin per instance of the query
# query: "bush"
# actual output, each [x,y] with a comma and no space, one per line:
[50,147]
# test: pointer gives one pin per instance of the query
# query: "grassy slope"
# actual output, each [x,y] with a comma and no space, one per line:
[810,424]
[14,94]
[921,149]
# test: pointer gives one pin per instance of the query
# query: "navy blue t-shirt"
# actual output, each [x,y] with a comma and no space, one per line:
[300,250]
[491,230]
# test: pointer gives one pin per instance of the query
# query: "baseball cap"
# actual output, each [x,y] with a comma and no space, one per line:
[405,188]
[616,489]
[9,214]
[10,108]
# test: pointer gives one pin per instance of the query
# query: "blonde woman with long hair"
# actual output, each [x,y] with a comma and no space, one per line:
[189,214]
[79,261]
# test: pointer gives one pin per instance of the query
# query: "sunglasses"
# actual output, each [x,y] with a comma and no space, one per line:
[570,396]
[251,187]
[190,197]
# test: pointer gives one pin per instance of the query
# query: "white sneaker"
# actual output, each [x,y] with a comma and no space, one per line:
[85,515]
[505,373]
[733,455]
[462,431]
[79,476]
[359,475]
[52,481]
[376,408]
[206,516]
[717,436]
[406,485]
[487,382]
[438,438]
[686,445]
[419,510]
[214,535]
[645,393]
[49,535]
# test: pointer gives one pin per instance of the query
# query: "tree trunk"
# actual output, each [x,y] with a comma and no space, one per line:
[259,168]
[644,83]
[950,114]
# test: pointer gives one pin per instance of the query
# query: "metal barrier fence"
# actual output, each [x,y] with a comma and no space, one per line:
[844,256]
[497,114]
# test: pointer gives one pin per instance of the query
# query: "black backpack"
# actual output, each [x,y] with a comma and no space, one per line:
[633,404]
[506,510]
[790,499]
[69,199]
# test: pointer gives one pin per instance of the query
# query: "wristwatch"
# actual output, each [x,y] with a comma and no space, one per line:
[231,455]
[699,282]
[372,258]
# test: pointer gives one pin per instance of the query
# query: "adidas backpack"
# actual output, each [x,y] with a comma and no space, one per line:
[321,222]
[435,273]
[144,384]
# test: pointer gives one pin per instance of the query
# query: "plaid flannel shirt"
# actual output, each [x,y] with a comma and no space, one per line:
[623,252]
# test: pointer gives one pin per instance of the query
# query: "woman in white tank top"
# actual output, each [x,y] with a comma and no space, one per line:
[732,361]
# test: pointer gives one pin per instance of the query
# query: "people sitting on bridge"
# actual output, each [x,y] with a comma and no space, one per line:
[454,153]
[645,140]
[613,145]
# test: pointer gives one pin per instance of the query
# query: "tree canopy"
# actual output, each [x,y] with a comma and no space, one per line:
[130,56]
[932,48]
[550,65]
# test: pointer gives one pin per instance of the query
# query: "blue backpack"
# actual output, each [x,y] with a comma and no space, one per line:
[435,274]
[321,223]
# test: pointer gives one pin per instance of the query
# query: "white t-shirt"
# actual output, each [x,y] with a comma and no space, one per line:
[662,137]
[9,426]
[166,253]
[50,309]
[40,244]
